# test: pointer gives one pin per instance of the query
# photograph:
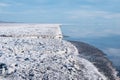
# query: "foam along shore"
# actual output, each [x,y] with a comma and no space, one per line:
[41,58]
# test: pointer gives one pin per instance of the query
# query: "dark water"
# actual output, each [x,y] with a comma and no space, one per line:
[106,39]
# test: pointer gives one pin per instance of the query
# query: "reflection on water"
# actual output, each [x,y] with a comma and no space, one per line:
[105,38]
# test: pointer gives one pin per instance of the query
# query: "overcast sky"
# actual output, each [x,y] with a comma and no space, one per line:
[61,11]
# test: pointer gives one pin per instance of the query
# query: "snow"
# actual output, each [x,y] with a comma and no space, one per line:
[28,58]
[31,30]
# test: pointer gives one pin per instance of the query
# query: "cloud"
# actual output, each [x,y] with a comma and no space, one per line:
[83,13]
[3,4]
[114,15]
[62,11]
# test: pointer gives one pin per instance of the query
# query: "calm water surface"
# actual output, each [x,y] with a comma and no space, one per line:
[105,38]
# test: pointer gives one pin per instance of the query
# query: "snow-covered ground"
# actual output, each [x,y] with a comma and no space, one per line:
[28,58]
[31,30]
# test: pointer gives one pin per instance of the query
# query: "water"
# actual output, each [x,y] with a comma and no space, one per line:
[105,38]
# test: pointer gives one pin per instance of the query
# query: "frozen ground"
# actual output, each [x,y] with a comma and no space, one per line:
[30,30]
[34,58]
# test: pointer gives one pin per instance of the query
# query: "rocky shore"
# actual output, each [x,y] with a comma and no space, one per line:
[97,57]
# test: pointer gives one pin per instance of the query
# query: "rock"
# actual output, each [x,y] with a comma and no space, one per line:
[3,69]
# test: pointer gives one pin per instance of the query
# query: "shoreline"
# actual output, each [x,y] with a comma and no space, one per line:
[97,57]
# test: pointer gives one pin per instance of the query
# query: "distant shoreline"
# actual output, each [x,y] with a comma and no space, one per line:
[97,57]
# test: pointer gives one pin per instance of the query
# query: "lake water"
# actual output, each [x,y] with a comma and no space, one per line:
[106,38]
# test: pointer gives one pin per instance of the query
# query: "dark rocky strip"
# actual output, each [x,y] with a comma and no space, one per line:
[97,57]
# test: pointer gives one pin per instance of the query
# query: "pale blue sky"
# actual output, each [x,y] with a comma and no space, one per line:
[61,11]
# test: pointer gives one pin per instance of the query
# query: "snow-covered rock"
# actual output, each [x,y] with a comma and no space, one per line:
[28,58]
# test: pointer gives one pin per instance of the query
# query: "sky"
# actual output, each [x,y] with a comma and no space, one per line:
[84,12]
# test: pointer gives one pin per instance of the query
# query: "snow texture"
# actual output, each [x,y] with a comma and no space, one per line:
[28,58]
[31,30]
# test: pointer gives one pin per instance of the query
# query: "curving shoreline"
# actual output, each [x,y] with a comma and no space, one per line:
[97,57]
